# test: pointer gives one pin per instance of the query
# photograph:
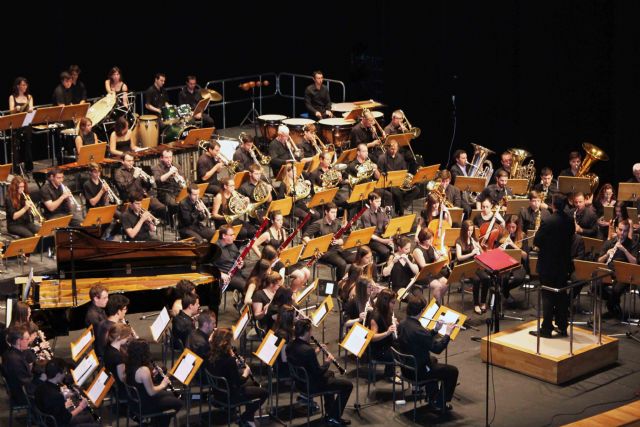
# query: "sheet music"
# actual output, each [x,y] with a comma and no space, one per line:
[328,289]
[84,369]
[319,314]
[28,118]
[84,340]
[240,326]
[94,392]
[184,368]
[356,340]
[9,312]
[269,349]
[304,292]
[160,324]
[448,317]
[429,314]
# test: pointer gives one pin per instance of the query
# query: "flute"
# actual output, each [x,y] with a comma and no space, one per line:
[329,355]
[394,321]
[170,386]
[445,323]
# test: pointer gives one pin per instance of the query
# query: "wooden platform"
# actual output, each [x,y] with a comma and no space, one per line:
[515,349]
[627,415]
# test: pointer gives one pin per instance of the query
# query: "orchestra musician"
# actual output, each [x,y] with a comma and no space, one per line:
[281,151]
[316,97]
[453,193]
[575,159]
[122,139]
[117,338]
[486,214]
[287,188]
[315,178]
[380,322]
[198,339]
[358,305]
[396,126]
[138,224]
[182,288]
[426,253]
[191,212]
[533,215]
[169,180]
[243,155]
[606,197]
[506,158]
[20,220]
[62,94]
[362,155]
[78,88]
[430,215]
[86,135]
[115,85]
[309,143]
[513,238]
[584,216]
[496,192]
[375,216]
[364,260]
[262,298]
[58,200]
[393,161]
[21,101]
[99,297]
[467,248]
[129,180]
[399,268]
[209,165]
[347,285]
[155,97]
[248,187]
[182,324]
[16,363]
[547,187]
[460,165]
[39,346]
[221,208]
[365,132]
[116,309]
[229,253]
[190,95]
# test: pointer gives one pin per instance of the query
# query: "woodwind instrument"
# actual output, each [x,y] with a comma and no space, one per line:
[170,386]
[329,355]
[461,327]
[242,364]
[613,252]
[78,395]
[394,322]
[35,213]
[367,308]
[236,265]
[133,331]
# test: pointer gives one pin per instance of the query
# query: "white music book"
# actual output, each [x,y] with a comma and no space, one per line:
[185,367]
[85,368]
[429,314]
[238,328]
[269,348]
[97,389]
[300,296]
[28,118]
[328,289]
[160,324]
[78,346]
[448,317]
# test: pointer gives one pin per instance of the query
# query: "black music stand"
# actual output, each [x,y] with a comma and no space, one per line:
[9,123]
[252,115]
[46,116]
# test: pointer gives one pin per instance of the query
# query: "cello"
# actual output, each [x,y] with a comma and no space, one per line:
[439,228]
[490,231]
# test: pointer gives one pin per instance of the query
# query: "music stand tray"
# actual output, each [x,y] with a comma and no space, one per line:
[593,246]
[74,112]
[347,156]
[430,270]
[466,270]
[202,189]
[425,174]
[92,153]
[496,261]
[319,245]
[361,192]
[514,206]
[290,255]
[99,216]
[12,121]
[200,107]
[354,114]
[359,237]
[469,183]
[450,236]
[607,214]
[283,170]
[182,194]
[47,115]
[5,170]
[323,197]
[518,186]
[584,270]
[21,247]
[403,139]
[194,361]
[51,224]
[216,235]
[314,163]
[196,135]
[632,213]
[240,177]
[282,205]
[573,184]
[627,273]
[399,225]
[392,179]
[456,215]
[628,191]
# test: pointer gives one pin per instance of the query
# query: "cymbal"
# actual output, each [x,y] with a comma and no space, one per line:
[210,93]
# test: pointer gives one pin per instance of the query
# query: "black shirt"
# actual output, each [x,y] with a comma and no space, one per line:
[94,316]
[49,399]
[188,214]
[198,342]
[390,129]
[170,186]
[182,325]
[386,163]
[88,139]
[279,154]
[112,358]
[495,193]
[321,228]
[129,220]
[62,96]
[127,184]
[228,255]
[102,336]
[78,92]
[528,217]
[317,100]
[49,193]
[242,157]
[378,219]
[17,372]
[302,354]
[156,97]
[618,255]
[91,190]
[379,347]
[189,98]
[24,219]
[361,135]
[417,341]
[587,219]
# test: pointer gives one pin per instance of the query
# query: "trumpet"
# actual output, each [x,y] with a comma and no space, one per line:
[178,178]
[72,200]
[113,197]
[153,220]
[170,386]
[202,207]
[37,216]
[139,172]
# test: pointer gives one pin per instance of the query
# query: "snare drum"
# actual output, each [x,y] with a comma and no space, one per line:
[336,131]
[176,133]
[184,111]
[269,125]
[169,114]
[295,128]
[148,130]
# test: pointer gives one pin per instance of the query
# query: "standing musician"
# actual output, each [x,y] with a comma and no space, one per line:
[506,158]
[198,339]
[334,256]
[155,97]
[315,177]
[78,88]
[426,253]
[115,85]
[58,200]
[138,224]
[584,216]
[21,101]
[243,154]
[362,156]
[417,341]
[375,216]
[190,95]
[365,133]
[619,248]
[381,322]
[20,220]
[182,324]
[281,151]
[169,180]
[547,187]
[460,165]
[575,160]
[392,161]
[191,212]
[62,95]
[467,247]
[496,192]
[129,180]
[400,269]
[229,253]
[122,139]
[533,215]
[316,97]
[86,135]
[301,354]
[287,188]
[95,314]
[209,165]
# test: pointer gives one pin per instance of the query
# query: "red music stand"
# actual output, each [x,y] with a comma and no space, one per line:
[496,263]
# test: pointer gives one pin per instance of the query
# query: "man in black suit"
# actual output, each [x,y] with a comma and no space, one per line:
[585,217]
[532,216]
[301,354]
[453,193]
[15,364]
[460,167]
[182,325]
[417,341]
[554,240]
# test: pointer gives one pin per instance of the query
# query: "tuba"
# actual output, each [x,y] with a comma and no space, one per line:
[592,155]
[519,170]
[364,171]
[480,166]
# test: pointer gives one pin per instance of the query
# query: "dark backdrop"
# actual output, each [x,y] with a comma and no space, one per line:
[544,76]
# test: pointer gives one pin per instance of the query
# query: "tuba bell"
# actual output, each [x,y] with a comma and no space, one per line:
[480,166]
[592,155]
[519,170]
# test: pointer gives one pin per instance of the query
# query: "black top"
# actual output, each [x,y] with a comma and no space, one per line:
[17,373]
[302,354]
[317,99]
[456,170]
[262,297]
[182,326]
[566,172]
[88,139]
[352,169]
[417,341]
[378,219]
[244,158]
[24,219]
[228,255]
[551,190]
[321,228]
[49,399]
[62,96]
[578,250]
[386,163]
[78,92]
[454,195]
[94,316]
[494,193]
[91,190]
[189,98]
[528,217]
[127,184]
[352,309]
[478,221]
[307,149]
[429,256]
[554,238]
[205,163]
[102,336]
[246,189]
[198,342]
[227,367]
[360,135]
[400,275]
[112,358]
[129,220]
[279,154]
[391,129]
[170,186]
[156,97]
[587,219]
[618,255]
[379,347]
[49,193]
[188,214]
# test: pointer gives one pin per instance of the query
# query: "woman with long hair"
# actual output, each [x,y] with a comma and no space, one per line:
[118,336]
[425,253]
[346,286]
[606,197]
[86,136]
[360,303]
[20,101]
[19,219]
[139,374]
[513,238]
[115,85]
[37,340]
[381,323]
[284,330]
[287,189]
[364,258]
[122,139]
[182,288]
[431,211]
[400,268]
[259,272]
[467,247]
[263,297]
[223,363]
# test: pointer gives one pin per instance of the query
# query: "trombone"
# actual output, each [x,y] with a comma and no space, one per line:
[255,152]
[231,165]
[405,125]
[37,216]
[292,147]
[378,133]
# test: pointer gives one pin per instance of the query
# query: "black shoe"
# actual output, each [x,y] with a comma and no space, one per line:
[437,407]
[333,422]
[344,421]
[543,334]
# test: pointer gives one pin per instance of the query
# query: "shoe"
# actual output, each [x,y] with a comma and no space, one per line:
[333,422]
[509,300]
[344,421]
[313,406]
[543,334]
[437,407]
[477,309]
[395,379]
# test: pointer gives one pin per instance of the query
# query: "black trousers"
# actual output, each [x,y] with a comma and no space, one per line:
[162,401]
[83,419]
[344,389]
[381,250]
[252,392]
[555,306]
[339,259]
[613,294]
[26,230]
[198,231]
[403,199]
[22,149]
[448,374]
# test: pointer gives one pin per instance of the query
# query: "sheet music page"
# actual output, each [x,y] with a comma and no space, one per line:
[240,326]
[356,340]
[9,312]
[319,314]
[429,314]
[76,349]
[160,324]
[328,289]
[84,369]
[268,349]
[28,118]
[94,392]
[447,317]
[185,367]
[304,292]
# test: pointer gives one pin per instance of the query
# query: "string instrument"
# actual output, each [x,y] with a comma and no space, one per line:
[236,264]
[439,228]
[490,231]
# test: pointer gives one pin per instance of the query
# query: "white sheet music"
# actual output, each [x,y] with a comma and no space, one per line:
[448,317]
[328,289]
[85,368]
[269,349]
[184,368]
[28,118]
[160,324]
[82,342]
[356,340]
[9,312]
[94,392]
[319,314]
[429,314]
[300,296]
[242,323]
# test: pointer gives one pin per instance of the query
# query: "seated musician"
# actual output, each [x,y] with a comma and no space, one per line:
[618,248]
[584,216]
[328,225]
[361,163]
[245,154]
[99,296]
[263,297]
[191,212]
[575,160]
[381,322]
[209,165]
[155,97]
[86,135]
[506,159]
[115,310]
[533,215]
[317,98]
[347,285]
[453,193]
[96,190]
[281,151]
[394,161]
[419,342]
[288,188]
[460,167]
[360,303]
[138,224]
[115,85]
[20,221]
[58,200]
[16,363]
[366,133]
[38,344]
[62,94]
[182,288]
[375,216]
[21,101]
[396,126]
[198,339]
[229,253]
[467,247]
[400,269]
[258,274]
[169,180]
[498,191]
[430,215]
[425,253]
[514,238]
[248,189]
[309,145]
[183,323]
[300,353]
[221,209]
[547,187]
[486,215]
[606,197]
[315,178]
[191,95]
[117,338]
[130,179]
[122,139]
[50,399]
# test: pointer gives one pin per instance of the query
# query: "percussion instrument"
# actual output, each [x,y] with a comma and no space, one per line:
[184,111]
[336,131]
[343,107]
[148,130]
[176,132]
[169,114]
[269,125]
[295,128]
[378,115]
[101,109]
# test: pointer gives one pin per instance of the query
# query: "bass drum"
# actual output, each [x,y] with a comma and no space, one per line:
[176,133]
[148,130]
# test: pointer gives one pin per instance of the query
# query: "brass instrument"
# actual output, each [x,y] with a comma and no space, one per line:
[406,126]
[519,170]
[179,178]
[72,200]
[154,220]
[240,205]
[378,134]
[406,184]
[256,154]
[319,145]
[201,206]
[293,148]
[435,187]
[35,212]
[330,179]
[301,189]
[364,171]
[592,155]
[480,166]
[231,165]
[113,197]
[139,172]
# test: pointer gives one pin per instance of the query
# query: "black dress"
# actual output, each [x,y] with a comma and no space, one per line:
[112,358]
[381,350]
[161,401]
[400,275]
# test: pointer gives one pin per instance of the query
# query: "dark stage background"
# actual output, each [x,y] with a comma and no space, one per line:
[544,76]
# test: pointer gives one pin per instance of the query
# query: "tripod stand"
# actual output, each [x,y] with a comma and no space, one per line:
[252,115]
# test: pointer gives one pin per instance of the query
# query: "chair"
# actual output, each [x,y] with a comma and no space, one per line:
[299,375]
[12,399]
[371,369]
[38,417]
[115,401]
[134,408]
[221,386]
[409,364]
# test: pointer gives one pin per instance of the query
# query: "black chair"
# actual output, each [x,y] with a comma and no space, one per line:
[116,398]
[13,406]
[220,386]
[372,363]
[408,366]
[39,418]
[299,375]
[134,408]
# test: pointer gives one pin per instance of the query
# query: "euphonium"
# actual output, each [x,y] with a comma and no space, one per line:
[364,171]
[406,184]
[592,155]
[37,216]
[480,166]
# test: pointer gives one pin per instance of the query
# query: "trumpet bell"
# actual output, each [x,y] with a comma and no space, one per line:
[231,218]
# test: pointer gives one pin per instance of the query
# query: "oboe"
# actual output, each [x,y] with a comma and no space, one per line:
[329,355]
[170,386]
[133,331]
[242,364]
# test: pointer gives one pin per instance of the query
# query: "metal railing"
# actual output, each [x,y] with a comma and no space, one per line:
[306,79]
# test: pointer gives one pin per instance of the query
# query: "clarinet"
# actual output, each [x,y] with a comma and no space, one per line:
[78,395]
[326,353]
[133,331]
[170,386]
[236,264]
[242,364]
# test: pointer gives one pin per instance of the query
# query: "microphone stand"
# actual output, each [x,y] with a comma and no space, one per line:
[489,321]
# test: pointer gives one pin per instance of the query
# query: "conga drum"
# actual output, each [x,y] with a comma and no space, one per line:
[296,128]
[148,130]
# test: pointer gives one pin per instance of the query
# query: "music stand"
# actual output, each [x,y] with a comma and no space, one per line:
[239,327]
[5,170]
[347,156]
[450,237]
[216,235]
[159,325]
[319,245]
[361,192]
[403,139]
[456,215]
[196,135]
[299,167]
[49,225]
[632,213]
[469,183]
[99,216]
[304,293]
[359,238]
[466,270]
[354,114]
[99,387]
[200,107]
[48,115]
[85,368]
[369,103]
[282,205]
[518,186]
[74,112]
[608,213]
[447,315]
[430,270]
[392,179]
[592,246]
[474,214]
[322,197]
[425,174]
[399,225]
[628,273]
[514,206]
[268,352]
[628,191]
[183,193]
[240,177]
[9,123]
[186,367]
[92,153]
[21,248]
[290,255]
[321,313]
[82,344]
[573,184]
[314,163]
[356,342]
